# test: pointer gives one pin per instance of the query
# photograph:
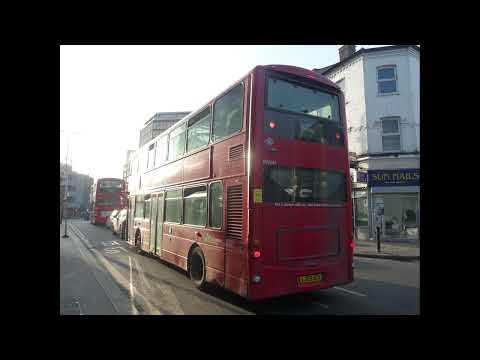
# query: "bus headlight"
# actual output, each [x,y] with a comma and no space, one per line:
[256,279]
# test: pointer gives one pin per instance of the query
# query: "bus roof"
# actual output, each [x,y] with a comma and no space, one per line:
[290,69]
[102,179]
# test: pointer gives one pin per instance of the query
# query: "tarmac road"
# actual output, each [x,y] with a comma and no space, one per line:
[101,274]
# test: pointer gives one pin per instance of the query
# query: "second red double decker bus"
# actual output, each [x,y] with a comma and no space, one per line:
[252,191]
[107,194]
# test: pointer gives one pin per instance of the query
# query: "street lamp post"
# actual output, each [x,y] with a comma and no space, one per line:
[65,193]
[65,197]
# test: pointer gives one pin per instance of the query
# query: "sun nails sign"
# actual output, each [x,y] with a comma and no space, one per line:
[398,177]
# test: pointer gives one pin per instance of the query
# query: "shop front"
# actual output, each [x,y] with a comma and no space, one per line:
[395,203]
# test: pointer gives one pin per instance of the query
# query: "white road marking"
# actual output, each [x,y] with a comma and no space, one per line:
[169,297]
[121,248]
[132,295]
[125,283]
[349,291]
[111,243]
[119,278]
[111,250]
[142,274]
[79,307]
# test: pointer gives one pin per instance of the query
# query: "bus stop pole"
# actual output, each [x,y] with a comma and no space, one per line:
[378,239]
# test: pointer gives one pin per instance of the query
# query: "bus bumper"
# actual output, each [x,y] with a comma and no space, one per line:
[283,280]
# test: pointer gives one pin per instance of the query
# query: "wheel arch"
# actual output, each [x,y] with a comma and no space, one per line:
[190,251]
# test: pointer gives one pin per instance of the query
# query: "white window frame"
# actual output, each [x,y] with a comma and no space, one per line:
[392,134]
[390,79]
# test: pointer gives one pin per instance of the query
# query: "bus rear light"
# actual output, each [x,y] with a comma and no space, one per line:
[272,124]
[337,136]
[256,254]
[352,244]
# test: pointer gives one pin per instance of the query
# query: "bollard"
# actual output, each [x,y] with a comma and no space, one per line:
[378,239]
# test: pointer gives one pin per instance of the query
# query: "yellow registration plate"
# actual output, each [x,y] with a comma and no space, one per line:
[304,279]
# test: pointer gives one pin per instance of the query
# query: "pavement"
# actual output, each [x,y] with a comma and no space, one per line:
[388,250]
[86,288]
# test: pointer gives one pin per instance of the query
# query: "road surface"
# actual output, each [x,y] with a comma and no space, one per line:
[101,274]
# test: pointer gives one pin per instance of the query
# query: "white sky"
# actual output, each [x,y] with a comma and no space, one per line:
[107,93]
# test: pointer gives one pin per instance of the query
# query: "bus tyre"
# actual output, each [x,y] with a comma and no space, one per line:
[197,268]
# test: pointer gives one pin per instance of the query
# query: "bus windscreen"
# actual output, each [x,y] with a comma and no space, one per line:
[303,185]
[289,96]
[110,186]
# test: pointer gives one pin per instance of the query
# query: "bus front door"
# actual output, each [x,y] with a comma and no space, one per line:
[159,229]
[153,225]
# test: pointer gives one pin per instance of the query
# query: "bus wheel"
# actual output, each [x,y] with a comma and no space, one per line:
[197,268]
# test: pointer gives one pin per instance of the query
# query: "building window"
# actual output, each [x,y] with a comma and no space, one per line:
[391,134]
[198,133]
[173,206]
[387,79]
[228,113]
[361,208]
[216,205]
[195,205]
[176,145]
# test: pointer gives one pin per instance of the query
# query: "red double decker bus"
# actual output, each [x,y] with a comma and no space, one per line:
[107,194]
[252,191]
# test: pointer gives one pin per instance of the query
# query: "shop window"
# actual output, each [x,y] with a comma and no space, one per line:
[410,212]
[361,209]
[400,214]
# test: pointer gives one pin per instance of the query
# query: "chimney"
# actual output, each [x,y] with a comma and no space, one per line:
[345,51]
